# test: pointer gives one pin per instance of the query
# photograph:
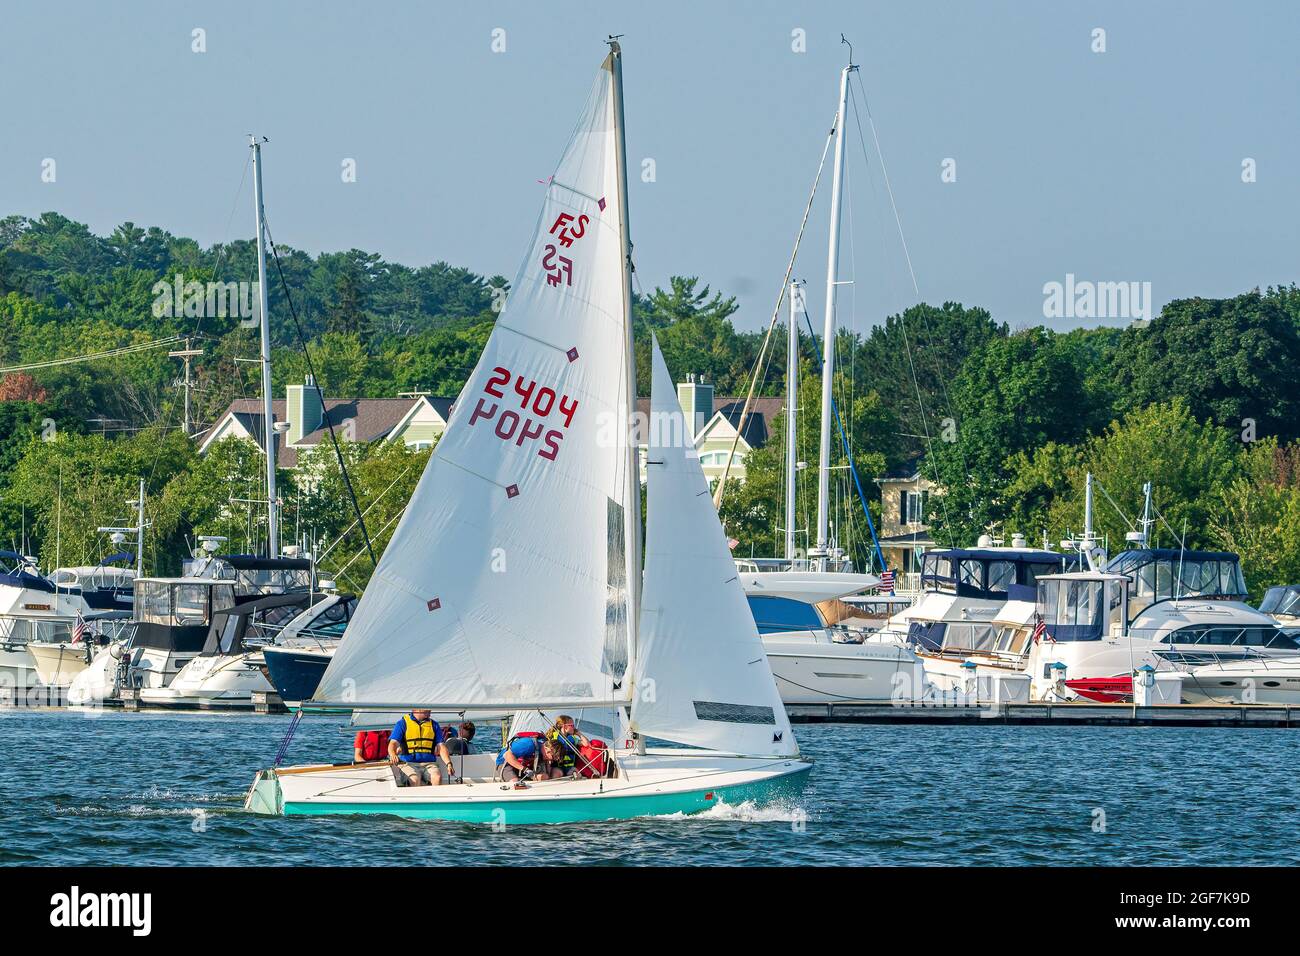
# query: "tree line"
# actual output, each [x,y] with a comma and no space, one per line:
[1201,401]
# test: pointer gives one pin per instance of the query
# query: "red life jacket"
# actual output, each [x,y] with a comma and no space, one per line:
[592,759]
[374,744]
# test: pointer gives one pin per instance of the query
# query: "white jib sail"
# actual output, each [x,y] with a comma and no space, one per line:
[702,676]
[505,581]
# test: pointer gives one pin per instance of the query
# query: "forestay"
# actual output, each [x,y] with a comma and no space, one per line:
[702,676]
[505,581]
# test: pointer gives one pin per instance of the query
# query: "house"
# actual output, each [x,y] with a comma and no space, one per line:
[904,534]
[416,420]
[712,423]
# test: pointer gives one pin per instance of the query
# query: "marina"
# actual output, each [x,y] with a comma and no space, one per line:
[518,444]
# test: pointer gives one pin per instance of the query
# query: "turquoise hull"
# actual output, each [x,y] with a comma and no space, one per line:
[573,809]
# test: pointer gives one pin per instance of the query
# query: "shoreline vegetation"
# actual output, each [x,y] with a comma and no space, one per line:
[1006,416]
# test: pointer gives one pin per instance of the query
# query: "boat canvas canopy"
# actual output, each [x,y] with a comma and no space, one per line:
[505,582]
[702,674]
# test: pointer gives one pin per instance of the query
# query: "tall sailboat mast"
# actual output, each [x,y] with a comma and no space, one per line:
[268,420]
[632,501]
[828,335]
[791,410]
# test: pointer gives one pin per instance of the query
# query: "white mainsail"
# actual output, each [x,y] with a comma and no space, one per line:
[702,676]
[506,579]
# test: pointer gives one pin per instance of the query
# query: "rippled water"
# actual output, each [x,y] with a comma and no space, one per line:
[121,788]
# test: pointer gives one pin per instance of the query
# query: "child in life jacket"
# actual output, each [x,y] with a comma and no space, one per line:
[530,755]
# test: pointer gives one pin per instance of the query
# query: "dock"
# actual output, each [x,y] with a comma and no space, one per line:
[1050,714]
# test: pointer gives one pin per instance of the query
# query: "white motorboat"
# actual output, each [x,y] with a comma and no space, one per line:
[1090,645]
[57,663]
[32,610]
[173,616]
[227,671]
[1282,604]
[813,631]
[1254,680]
[538,457]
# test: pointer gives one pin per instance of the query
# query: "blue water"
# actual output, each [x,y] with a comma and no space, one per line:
[117,788]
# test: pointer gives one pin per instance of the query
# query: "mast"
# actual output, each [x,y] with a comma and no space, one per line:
[828,334]
[139,532]
[791,407]
[632,497]
[268,421]
[1089,538]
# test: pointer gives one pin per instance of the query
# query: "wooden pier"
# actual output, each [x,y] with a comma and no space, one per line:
[1051,714]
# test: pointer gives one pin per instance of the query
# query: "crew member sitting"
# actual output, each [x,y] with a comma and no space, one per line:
[370,745]
[528,756]
[414,749]
[458,738]
[570,739]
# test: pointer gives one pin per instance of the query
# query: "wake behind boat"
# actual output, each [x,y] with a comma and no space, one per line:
[531,499]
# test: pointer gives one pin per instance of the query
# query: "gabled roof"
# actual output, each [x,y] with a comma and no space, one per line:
[374,418]
[757,427]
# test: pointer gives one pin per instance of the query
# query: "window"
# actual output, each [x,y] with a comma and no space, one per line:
[191,603]
[911,507]
[1002,574]
[773,614]
[153,602]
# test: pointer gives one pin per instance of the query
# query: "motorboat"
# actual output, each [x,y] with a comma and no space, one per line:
[813,630]
[227,670]
[1282,604]
[32,610]
[104,586]
[296,661]
[57,663]
[173,616]
[1252,680]
[1088,635]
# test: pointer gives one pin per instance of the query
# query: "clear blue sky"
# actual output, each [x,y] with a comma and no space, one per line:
[1118,166]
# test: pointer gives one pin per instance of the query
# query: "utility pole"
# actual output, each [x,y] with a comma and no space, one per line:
[186,383]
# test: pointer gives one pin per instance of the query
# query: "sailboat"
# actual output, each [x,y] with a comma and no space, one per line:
[514,579]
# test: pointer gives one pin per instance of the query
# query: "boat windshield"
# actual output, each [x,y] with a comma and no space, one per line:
[988,573]
[1158,574]
[1280,601]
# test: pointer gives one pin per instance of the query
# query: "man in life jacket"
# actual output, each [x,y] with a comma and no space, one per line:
[414,749]
[370,745]
[530,755]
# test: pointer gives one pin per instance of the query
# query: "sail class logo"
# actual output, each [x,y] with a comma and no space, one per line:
[76,909]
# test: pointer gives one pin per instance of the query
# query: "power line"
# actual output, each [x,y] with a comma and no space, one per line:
[95,356]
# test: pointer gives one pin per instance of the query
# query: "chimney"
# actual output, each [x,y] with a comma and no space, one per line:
[696,398]
[303,410]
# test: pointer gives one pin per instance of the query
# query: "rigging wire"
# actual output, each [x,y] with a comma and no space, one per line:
[902,320]
[320,395]
[760,364]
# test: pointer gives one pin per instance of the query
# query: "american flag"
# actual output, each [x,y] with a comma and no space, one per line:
[1040,628]
[887,580]
[79,629]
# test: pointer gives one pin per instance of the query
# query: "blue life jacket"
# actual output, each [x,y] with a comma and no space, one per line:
[525,747]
